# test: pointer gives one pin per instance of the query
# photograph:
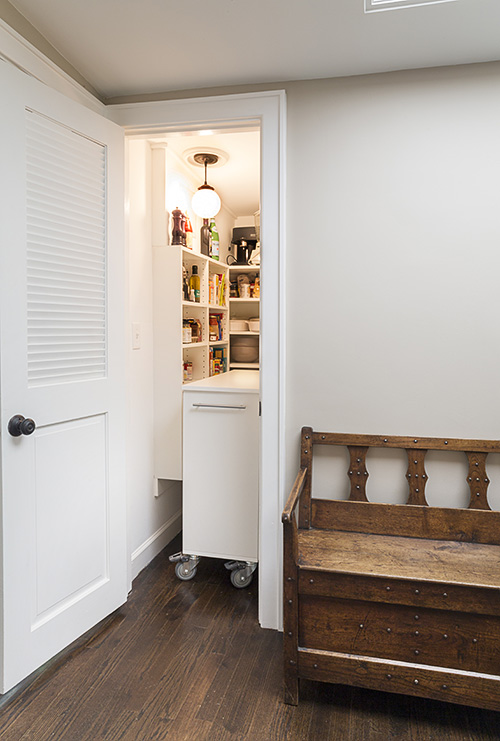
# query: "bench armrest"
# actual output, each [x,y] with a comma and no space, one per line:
[294,495]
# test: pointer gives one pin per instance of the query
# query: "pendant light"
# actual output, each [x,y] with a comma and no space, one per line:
[206,202]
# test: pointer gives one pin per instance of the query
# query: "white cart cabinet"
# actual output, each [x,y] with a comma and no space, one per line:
[221,468]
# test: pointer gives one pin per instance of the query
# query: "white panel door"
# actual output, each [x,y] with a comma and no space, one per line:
[63,529]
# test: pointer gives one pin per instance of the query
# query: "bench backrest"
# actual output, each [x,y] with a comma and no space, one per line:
[477,524]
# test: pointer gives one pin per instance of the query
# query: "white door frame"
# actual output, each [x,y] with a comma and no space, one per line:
[218,112]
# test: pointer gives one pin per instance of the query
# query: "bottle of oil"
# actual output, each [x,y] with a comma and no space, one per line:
[214,254]
[194,283]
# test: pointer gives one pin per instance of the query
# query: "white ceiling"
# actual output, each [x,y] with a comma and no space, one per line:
[237,181]
[127,47]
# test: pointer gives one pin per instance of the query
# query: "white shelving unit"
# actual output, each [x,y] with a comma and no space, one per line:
[244,308]
[170,353]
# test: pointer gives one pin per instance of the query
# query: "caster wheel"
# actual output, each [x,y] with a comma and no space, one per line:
[239,579]
[184,571]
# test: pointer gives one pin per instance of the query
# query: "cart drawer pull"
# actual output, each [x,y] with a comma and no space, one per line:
[219,406]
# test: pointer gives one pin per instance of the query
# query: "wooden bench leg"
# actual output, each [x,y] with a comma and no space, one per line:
[291,685]
[290,640]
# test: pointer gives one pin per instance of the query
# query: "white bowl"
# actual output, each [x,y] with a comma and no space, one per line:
[238,325]
[254,325]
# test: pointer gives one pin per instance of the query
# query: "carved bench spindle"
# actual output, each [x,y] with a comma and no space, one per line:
[478,481]
[358,474]
[417,477]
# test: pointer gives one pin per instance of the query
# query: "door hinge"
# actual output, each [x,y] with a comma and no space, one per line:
[260,409]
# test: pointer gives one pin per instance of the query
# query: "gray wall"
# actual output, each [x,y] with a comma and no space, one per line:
[393,260]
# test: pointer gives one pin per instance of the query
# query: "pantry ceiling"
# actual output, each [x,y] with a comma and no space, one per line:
[129,47]
[237,180]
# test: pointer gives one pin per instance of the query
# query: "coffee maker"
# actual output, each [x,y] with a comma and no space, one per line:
[245,240]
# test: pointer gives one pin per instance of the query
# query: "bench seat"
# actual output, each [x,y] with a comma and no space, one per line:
[441,561]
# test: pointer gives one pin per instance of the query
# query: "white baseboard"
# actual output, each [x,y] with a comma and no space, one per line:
[155,543]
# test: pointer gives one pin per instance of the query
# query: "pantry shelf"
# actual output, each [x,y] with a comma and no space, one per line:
[194,304]
[249,366]
[176,361]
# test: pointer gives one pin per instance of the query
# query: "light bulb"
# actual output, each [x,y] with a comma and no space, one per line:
[206,202]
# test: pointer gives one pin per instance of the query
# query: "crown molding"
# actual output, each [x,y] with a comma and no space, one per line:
[16,50]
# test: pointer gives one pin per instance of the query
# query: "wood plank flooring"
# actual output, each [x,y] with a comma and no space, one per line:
[187,661]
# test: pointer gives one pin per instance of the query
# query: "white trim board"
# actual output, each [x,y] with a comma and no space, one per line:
[267,108]
[155,543]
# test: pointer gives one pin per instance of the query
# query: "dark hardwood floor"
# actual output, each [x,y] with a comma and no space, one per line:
[187,660]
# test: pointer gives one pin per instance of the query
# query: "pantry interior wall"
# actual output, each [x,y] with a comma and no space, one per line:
[153,520]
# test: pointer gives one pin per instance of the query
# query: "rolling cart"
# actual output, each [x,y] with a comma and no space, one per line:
[221,475]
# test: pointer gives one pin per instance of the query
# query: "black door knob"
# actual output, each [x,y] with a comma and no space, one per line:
[19,425]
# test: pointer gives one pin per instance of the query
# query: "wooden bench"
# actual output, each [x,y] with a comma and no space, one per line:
[396,597]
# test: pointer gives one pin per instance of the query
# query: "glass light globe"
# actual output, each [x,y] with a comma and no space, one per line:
[206,202]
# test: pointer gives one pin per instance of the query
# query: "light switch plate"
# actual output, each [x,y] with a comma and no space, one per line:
[136,335]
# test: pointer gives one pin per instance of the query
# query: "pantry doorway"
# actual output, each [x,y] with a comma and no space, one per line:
[228,114]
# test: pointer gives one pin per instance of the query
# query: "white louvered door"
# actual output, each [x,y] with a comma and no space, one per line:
[62,283]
